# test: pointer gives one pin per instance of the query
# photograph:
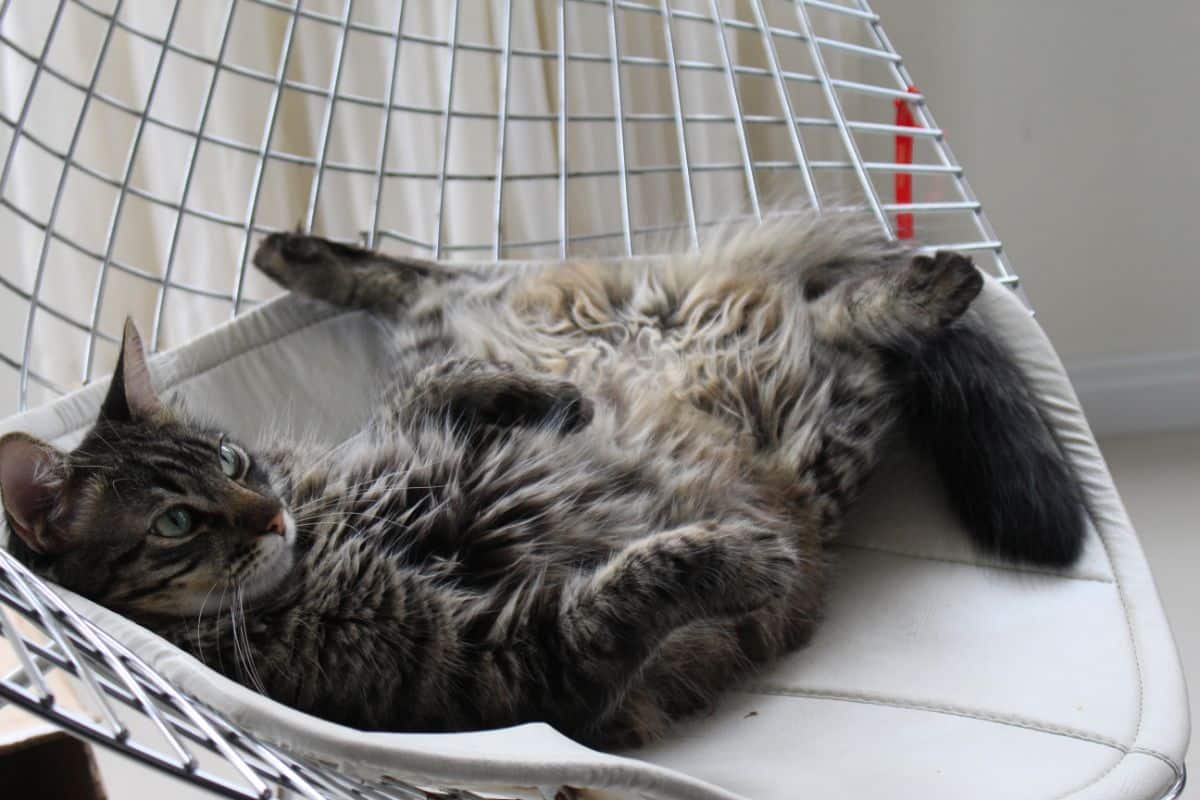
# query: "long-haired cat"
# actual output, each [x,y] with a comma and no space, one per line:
[595,494]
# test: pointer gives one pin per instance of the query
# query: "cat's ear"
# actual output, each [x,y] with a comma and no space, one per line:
[131,396]
[31,479]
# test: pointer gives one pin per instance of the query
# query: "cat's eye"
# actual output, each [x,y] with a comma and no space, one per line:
[234,461]
[174,522]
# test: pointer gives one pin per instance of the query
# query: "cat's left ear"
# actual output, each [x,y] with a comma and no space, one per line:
[131,396]
[31,480]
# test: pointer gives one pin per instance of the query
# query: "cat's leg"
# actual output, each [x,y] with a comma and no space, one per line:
[848,398]
[609,622]
[685,677]
[697,663]
[891,308]
[344,275]
[471,392]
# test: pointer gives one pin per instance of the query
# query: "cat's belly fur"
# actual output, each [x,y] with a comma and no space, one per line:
[688,387]
[659,433]
[500,527]
[659,371]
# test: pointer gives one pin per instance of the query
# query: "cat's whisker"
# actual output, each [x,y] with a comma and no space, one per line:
[386,482]
[241,640]
[335,516]
[332,502]
[199,617]
[218,628]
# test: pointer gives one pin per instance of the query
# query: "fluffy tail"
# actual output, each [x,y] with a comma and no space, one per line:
[1005,474]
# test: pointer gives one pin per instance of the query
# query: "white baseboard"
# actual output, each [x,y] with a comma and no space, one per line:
[1142,394]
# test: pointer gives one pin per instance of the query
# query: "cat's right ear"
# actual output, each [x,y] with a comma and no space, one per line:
[131,395]
[31,478]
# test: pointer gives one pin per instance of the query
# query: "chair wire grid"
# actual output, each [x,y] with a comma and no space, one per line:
[531,131]
[728,86]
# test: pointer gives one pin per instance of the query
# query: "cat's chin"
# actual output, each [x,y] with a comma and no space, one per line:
[273,563]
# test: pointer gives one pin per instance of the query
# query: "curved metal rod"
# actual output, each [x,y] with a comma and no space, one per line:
[189,172]
[446,119]
[327,125]
[110,237]
[264,152]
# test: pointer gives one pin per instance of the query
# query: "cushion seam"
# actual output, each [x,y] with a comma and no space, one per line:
[966,563]
[983,716]
[1176,770]
[1090,510]
[938,708]
[1133,645]
[1163,757]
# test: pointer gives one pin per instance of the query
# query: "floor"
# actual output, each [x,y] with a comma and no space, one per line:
[1159,479]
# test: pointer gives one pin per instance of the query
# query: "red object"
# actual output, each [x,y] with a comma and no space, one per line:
[904,155]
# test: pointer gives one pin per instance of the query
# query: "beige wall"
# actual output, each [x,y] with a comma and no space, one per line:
[1076,122]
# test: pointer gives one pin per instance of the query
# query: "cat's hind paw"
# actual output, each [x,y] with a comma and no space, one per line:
[309,265]
[942,285]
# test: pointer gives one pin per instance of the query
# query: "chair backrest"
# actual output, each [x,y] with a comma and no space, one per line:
[147,146]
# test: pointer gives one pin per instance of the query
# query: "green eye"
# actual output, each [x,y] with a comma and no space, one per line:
[174,523]
[234,461]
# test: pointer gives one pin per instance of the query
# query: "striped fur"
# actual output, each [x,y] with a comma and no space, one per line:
[595,495]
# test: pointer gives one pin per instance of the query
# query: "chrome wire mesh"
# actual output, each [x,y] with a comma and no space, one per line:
[148,146]
[658,116]
[165,729]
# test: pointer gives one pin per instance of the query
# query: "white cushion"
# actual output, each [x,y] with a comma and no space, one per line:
[936,674]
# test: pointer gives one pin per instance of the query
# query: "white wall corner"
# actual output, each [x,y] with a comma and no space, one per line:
[1139,394]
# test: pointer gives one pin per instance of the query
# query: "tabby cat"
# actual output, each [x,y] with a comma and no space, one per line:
[595,494]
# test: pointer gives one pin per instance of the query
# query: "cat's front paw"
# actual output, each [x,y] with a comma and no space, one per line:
[571,409]
[507,401]
[308,265]
[733,572]
[942,285]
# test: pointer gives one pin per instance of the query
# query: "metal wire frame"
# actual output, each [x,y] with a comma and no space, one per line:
[376,231]
[109,674]
[113,679]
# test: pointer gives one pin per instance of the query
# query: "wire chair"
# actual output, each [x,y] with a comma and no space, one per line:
[620,125]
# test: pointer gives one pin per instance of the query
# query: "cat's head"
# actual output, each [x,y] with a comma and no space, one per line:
[151,513]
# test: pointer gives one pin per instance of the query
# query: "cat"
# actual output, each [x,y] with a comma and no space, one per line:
[595,494]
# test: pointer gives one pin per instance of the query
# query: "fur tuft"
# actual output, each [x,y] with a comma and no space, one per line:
[1005,475]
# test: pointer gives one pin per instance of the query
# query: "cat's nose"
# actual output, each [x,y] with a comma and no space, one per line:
[277,524]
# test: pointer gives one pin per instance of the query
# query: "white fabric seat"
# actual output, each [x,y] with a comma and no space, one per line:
[936,674]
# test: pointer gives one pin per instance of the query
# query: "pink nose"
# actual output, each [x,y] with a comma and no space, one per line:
[277,524]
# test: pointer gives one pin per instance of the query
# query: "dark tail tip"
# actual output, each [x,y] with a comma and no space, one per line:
[1006,476]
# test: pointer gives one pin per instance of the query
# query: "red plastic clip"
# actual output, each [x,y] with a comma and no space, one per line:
[904,155]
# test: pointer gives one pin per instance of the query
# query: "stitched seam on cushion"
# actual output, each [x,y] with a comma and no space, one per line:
[981,716]
[966,563]
[937,708]
[1100,532]
[1137,656]
[1176,770]
[1163,757]
[1097,779]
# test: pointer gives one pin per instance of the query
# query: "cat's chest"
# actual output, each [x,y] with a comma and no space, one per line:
[473,515]
[569,346]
